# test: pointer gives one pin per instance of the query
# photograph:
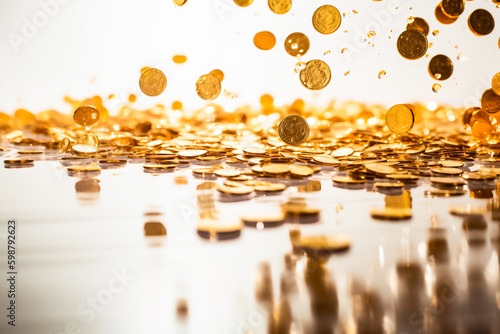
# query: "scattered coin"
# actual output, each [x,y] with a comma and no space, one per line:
[293,130]
[400,119]
[380,169]
[440,67]
[326,19]
[316,75]
[301,171]
[481,22]
[412,44]
[152,82]
[453,8]
[86,115]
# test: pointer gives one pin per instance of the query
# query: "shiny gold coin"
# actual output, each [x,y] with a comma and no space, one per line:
[403,177]
[495,83]
[154,229]
[453,8]
[481,22]
[63,146]
[271,187]
[452,163]
[419,24]
[243,3]
[342,152]
[84,149]
[479,176]
[279,6]
[442,16]
[191,153]
[264,40]
[388,185]
[276,169]
[90,168]
[293,130]
[316,75]
[179,59]
[296,44]
[446,171]
[218,73]
[33,152]
[301,171]
[347,180]
[227,172]
[440,67]
[448,181]
[490,101]
[241,190]
[152,82]
[326,160]
[86,115]
[412,44]
[400,119]
[326,19]
[380,168]
[208,87]
[391,213]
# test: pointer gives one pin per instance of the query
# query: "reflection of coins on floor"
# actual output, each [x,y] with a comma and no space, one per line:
[481,22]
[152,82]
[326,19]
[440,67]
[400,119]
[412,44]
[208,87]
[316,75]
[293,130]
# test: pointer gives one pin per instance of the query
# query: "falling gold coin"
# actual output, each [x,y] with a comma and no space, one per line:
[86,115]
[316,75]
[436,88]
[243,3]
[442,16]
[180,2]
[490,101]
[412,44]
[208,87]
[326,19]
[179,59]
[400,119]
[453,8]
[296,44]
[264,40]
[440,67]
[495,83]
[279,6]
[152,82]
[293,130]
[418,24]
[481,22]
[218,73]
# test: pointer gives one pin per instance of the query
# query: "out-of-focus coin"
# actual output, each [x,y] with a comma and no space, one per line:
[271,187]
[30,152]
[446,171]
[84,149]
[191,153]
[179,59]
[279,6]
[335,243]
[412,44]
[453,8]
[18,161]
[293,130]
[419,24]
[227,172]
[380,168]
[326,19]
[347,180]
[400,119]
[316,75]
[296,44]
[154,229]
[243,3]
[218,73]
[180,2]
[391,213]
[152,82]
[481,22]
[264,40]
[448,181]
[89,168]
[326,160]
[490,101]
[442,16]
[467,211]
[452,163]
[241,190]
[479,176]
[495,83]
[208,87]
[444,193]
[388,185]
[86,115]
[440,67]
[276,169]
[342,152]
[301,171]
[405,178]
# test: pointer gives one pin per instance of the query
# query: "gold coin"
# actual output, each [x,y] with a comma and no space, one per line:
[180,2]
[276,169]
[323,242]
[481,22]
[419,24]
[490,101]
[152,82]
[227,172]
[279,6]
[86,115]
[301,171]
[380,169]
[326,160]
[440,67]
[342,152]
[299,209]
[154,229]
[90,168]
[442,17]
[296,44]
[84,149]
[400,119]
[316,75]
[347,180]
[326,19]
[241,190]
[293,130]
[446,170]
[388,185]
[453,8]
[271,187]
[218,73]
[159,167]
[451,163]
[495,83]
[444,193]
[191,153]
[179,59]
[264,40]
[479,176]
[243,3]
[208,87]
[403,177]
[412,44]
[391,213]
[34,152]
